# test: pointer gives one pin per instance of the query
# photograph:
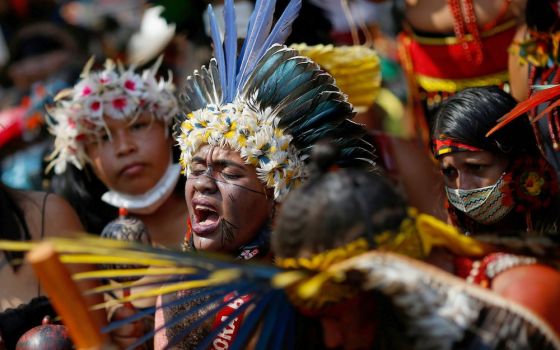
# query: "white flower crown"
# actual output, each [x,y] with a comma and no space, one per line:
[253,134]
[114,92]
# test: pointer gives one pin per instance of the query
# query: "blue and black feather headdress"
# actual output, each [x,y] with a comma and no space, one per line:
[268,103]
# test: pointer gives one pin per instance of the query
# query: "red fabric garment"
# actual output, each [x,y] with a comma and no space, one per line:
[437,58]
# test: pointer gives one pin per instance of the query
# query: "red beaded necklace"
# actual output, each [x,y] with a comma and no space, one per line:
[463,24]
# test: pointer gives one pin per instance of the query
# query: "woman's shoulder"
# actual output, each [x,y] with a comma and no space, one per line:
[537,287]
[48,214]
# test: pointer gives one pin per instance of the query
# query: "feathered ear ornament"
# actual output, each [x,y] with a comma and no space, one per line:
[544,94]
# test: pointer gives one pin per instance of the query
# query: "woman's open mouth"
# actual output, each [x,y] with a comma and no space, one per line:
[205,219]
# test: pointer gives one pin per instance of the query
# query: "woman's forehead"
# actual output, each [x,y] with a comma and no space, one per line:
[127,121]
[216,153]
[469,156]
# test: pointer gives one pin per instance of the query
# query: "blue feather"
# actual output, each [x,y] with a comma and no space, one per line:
[205,344]
[211,307]
[324,112]
[218,48]
[290,78]
[269,322]
[231,49]
[251,322]
[150,311]
[284,319]
[176,319]
[283,27]
[290,104]
[259,27]
[271,60]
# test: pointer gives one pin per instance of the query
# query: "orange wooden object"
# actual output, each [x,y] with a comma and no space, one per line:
[66,298]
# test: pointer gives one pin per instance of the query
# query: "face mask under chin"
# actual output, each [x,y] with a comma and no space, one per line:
[484,205]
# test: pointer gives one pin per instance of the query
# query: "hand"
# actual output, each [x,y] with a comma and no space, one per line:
[129,333]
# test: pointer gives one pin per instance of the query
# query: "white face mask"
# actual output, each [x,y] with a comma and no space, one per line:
[484,205]
[148,202]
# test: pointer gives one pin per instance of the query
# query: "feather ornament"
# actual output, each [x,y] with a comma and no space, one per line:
[230,39]
[218,49]
[532,102]
[283,27]
[259,27]
[278,96]
[438,309]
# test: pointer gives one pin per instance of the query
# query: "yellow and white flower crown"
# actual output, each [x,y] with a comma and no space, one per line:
[113,92]
[254,135]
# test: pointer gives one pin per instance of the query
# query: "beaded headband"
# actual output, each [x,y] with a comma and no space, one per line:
[443,146]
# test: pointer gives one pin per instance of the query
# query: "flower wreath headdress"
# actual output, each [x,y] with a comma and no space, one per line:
[269,104]
[115,92]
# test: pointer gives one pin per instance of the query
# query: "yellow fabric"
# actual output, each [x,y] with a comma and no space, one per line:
[416,237]
[356,69]
[436,233]
[453,85]
[321,261]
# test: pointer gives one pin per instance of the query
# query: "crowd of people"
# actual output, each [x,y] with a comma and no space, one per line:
[389,168]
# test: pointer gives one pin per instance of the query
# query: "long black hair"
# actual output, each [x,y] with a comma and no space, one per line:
[83,190]
[335,207]
[13,225]
[540,16]
[467,116]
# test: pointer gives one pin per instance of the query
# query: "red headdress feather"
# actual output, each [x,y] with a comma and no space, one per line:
[525,106]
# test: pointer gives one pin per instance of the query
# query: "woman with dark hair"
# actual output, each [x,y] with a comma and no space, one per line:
[496,183]
[27,216]
[344,226]
[450,45]
[113,148]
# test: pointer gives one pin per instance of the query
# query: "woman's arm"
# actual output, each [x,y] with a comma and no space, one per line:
[60,219]
[518,71]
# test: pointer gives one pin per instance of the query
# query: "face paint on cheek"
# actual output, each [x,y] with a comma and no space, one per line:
[228,232]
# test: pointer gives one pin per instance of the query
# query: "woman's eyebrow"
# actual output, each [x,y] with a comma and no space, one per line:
[219,162]
[226,162]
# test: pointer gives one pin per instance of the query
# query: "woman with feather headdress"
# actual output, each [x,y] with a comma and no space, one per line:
[249,123]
